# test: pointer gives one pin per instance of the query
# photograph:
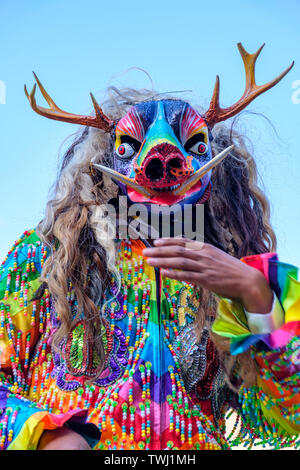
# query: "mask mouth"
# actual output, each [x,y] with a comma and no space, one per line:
[169,198]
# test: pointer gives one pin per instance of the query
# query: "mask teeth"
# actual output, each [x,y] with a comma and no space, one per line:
[169,188]
[202,171]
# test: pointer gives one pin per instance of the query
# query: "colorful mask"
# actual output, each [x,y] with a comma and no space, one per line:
[162,149]
[160,145]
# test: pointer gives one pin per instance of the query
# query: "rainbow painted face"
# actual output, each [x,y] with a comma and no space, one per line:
[160,145]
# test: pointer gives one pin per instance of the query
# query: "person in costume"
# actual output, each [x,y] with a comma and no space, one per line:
[139,344]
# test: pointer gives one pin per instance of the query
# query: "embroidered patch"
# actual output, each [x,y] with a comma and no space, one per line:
[117,360]
[187,304]
[192,355]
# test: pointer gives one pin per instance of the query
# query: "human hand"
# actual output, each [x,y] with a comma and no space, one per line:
[62,439]
[205,265]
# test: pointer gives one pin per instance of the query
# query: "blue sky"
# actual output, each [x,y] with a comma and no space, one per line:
[76,47]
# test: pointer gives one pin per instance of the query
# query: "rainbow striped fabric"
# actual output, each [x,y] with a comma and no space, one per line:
[275,401]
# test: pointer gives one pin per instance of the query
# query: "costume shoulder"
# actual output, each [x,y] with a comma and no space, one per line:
[23,323]
[23,264]
[19,281]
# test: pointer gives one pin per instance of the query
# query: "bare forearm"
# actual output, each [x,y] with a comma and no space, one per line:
[257,297]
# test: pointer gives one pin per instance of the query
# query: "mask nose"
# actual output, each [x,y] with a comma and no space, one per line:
[154,170]
[163,167]
[157,169]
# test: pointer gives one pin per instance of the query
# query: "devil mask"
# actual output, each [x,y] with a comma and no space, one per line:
[159,145]
[162,149]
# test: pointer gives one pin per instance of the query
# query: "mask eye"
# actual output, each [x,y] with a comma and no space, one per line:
[196,144]
[125,150]
[200,148]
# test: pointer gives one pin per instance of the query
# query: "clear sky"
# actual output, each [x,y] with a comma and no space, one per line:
[76,47]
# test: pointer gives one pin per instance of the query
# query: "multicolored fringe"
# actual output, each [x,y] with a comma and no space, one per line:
[270,411]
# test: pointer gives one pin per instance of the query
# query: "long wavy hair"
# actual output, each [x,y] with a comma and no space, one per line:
[236,221]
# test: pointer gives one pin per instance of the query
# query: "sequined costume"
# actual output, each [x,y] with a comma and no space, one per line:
[160,389]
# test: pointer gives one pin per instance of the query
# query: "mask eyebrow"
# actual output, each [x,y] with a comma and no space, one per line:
[191,124]
[125,138]
[131,124]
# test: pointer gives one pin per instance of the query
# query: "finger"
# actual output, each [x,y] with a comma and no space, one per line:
[184,242]
[184,276]
[194,245]
[184,264]
[170,241]
[171,251]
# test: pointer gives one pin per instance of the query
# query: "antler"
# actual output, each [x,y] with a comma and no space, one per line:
[216,114]
[100,121]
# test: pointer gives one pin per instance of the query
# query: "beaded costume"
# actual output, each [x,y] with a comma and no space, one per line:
[163,385]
